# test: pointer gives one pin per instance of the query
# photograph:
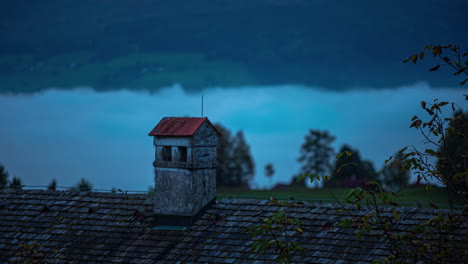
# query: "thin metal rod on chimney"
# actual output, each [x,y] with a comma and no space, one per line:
[202,105]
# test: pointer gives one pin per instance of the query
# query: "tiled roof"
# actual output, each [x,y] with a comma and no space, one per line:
[116,228]
[179,126]
[82,227]
[220,235]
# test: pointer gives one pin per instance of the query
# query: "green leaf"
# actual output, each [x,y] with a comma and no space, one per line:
[274,200]
[317,177]
[359,191]
[428,188]
[460,175]
[416,124]
[344,165]
[389,159]
[437,50]
[402,150]
[430,152]
[435,68]
[312,176]
[408,59]
[374,183]
[423,104]
[301,177]
[458,72]
[396,215]
[421,55]
[384,197]
[349,194]
[347,153]
[345,223]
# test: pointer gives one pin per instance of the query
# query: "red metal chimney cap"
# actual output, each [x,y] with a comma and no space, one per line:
[179,126]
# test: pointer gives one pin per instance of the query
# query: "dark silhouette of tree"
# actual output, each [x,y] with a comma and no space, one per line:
[3,178]
[454,158]
[316,153]
[350,171]
[244,167]
[224,156]
[368,171]
[84,185]
[236,165]
[269,171]
[439,239]
[392,175]
[52,185]
[16,183]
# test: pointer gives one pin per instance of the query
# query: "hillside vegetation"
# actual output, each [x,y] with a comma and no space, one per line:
[149,44]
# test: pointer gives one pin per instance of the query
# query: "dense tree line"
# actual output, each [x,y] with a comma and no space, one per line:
[5,183]
[236,164]
[346,170]
[3,178]
[16,183]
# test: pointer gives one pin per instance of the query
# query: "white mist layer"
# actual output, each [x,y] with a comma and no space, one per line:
[68,135]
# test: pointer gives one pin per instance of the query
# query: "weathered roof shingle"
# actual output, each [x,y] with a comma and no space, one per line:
[117,228]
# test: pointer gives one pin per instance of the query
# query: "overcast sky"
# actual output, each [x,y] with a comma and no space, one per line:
[347,54]
[68,135]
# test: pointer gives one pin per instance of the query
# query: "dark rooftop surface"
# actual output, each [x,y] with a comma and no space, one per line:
[90,227]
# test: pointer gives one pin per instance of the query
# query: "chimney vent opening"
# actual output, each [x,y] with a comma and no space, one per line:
[166,153]
[183,154]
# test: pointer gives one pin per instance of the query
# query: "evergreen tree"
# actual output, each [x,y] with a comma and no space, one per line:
[236,165]
[368,171]
[3,178]
[269,171]
[316,153]
[16,183]
[52,185]
[224,156]
[244,167]
[84,185]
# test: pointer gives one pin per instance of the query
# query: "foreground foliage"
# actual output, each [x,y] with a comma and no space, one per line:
[274,232]
[443,238]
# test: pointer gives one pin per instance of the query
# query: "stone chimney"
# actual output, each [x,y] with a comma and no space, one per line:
[185,169]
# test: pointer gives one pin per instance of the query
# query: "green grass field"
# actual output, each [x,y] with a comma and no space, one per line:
[410,196]
[27,73]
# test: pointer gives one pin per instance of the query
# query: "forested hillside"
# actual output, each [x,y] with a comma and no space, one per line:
[147,44]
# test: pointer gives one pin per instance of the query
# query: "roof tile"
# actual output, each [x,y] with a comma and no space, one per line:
[111,233]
